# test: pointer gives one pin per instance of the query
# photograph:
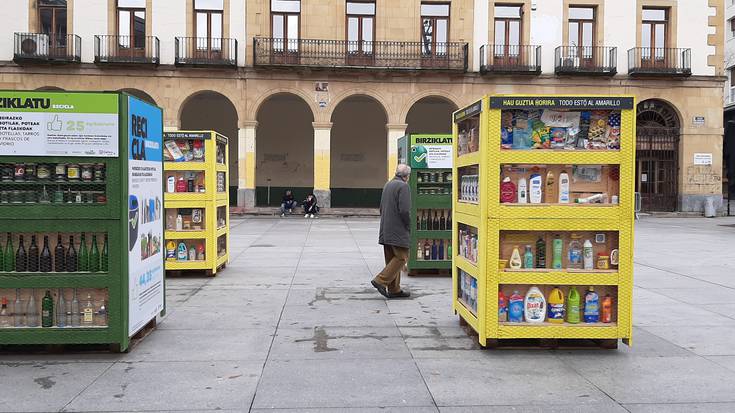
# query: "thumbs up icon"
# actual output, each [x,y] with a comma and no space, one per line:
[55,124]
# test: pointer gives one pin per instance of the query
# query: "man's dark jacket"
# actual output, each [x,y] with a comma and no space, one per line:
[395,217]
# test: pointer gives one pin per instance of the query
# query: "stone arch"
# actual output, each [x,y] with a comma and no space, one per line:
[429,93]
[430,114]
[380,99]
[665,111]
[140,94]
[254,107]
[50,89]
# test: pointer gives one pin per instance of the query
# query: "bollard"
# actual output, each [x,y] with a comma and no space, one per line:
[709,208]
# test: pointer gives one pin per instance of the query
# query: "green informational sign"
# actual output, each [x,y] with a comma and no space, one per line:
[431,151]
[403,149]
[58,124]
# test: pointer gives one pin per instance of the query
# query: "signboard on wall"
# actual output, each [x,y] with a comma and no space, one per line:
[431,151]
[145,213]
[58,124]
[561,102]
[702,159]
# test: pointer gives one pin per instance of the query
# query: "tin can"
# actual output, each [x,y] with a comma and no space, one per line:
[60,172]
[87,172]
[43,171]
[19,172]
[72,172]
[603,262]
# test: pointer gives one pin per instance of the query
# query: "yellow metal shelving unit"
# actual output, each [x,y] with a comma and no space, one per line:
[212,202]
[491,217]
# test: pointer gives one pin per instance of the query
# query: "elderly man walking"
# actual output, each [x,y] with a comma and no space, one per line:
[395,206]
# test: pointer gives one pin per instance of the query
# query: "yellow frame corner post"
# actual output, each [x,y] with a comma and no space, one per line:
[208,201]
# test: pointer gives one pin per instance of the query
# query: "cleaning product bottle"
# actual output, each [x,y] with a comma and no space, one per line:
[573,306]
[589,262]
[182,252]
[606,315]
[563,187]
[535,192]
[550,192]
[515,259]
[556,306]
[507,191]
[557,247]
[522,191]
[528,258]
[591,306]
[515,307]
[540,252]
[534,306]
[502,307]
[575,252]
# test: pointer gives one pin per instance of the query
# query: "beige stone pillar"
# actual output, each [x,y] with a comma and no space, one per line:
[322,165]
[171,125]
[246,164]
[395,131]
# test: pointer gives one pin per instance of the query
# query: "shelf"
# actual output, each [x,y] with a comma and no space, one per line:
[184,166]
[463,218]
[561,211]
[188,204]
[54,183]
[426,234]
[186,196]
[443,201]
[185,234]
[223,259]
[222,196]
[548,277]
[467,315]
[565,330]
[221,167]
[467,266]
[55,279]
[56,335]
[222,202]
[468,159]
[187,265]
[434,183]
[221,231]
[540,157]
[441,264]
[468,208]
[531,224]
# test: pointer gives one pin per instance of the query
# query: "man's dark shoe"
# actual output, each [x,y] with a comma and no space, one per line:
[399,294]
[381,289]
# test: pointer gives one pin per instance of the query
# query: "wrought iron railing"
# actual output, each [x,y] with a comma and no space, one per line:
[504,58]
[662,61]
[205,51]
[587,60]
[45,47]
[360,54]
[127,49]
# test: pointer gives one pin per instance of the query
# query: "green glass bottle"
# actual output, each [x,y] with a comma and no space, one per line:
[94,256]
[104,264]
[9,254]
[2,258]
[47,310]
[83,264]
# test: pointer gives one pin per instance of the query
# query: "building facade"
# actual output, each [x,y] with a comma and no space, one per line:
[728,187]
[315,93]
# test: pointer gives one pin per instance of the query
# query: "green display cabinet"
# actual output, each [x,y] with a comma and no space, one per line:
[73,165]
[430,159]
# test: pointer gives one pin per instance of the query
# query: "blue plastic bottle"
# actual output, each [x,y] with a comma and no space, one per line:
[591,306]
[515,308]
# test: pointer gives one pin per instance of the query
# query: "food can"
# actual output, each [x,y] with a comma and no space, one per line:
[87,172]
[60,172]
[19,172]
[43,171]
[72,172]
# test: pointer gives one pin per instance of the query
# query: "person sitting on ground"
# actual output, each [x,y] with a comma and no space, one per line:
[310,206]
[288,203]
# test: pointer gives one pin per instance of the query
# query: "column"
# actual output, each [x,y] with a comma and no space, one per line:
[171,125]
[322,136]
[246,164]
[395,131]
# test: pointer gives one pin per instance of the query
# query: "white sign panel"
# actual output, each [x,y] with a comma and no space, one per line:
[703,159]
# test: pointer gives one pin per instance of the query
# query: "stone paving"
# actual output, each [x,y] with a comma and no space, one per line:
[292,325]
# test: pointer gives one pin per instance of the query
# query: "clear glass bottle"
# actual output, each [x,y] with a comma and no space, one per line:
[75,319]
[18,310]
[88,312]
[61,309]
[32,310]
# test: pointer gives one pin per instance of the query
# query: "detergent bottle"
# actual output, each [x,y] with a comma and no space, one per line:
[502,307]
[515,308]
[573,306]
[528,258]
[591,306]
[535,306]
[587,255]
[535,191]
[556,248]
[556,306]
[515,259]
[563,187]
[606,315]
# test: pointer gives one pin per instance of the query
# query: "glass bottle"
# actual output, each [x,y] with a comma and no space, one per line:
[440,250]
[449,249]
[540,253]
[442,222]
[102,314]
[434,250]
[21,258]
[32,310]
[59,259]
[420,251]
[449,220]
[104,260]
[44,264]
[94,256]
[427,250]
[47,310]
[429,222]
[4,314]
[83,264]
[436,221]
[88,312]
[528,257]
[61,309]
[33,255]
[424,224]
[2,258]
[418,221]
[575,252]
[75,320]
[17,310]
[72,259]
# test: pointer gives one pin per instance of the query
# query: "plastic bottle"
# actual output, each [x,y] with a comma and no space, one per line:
[182,252]
[179,223]
[557,249]
[535,193]
[591,306]
[515,307]
[575,252]
[515,259]
[528,258]
[502,307]
[540,252]
[522,191]
[589,261]
[556,306]
[606,315]
[573,306]
[563,187]
[550,192]
[534,306]
[473,295]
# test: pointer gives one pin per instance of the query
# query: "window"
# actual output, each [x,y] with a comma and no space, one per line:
[52,21]
[434,28]
[208,24]
[654,32]
[360,27]
[731,25]
[285,25]
[131,23]
[582,26]
[508,33]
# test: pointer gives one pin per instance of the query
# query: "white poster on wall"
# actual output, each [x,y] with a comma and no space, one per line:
[145,214]
[703,159]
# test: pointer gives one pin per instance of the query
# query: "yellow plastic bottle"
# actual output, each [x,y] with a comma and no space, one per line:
[555,303]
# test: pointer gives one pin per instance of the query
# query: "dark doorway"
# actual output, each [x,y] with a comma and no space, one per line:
[657,156]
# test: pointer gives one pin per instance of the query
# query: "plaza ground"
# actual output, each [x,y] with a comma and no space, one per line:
[293,324]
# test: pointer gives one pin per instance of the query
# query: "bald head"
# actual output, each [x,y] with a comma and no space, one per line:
[403,171]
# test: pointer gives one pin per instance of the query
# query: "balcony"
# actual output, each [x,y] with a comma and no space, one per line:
[47,48]
[206,52]
[586,60]
[510,59]
[127,50]
[382,55]
[659,61]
